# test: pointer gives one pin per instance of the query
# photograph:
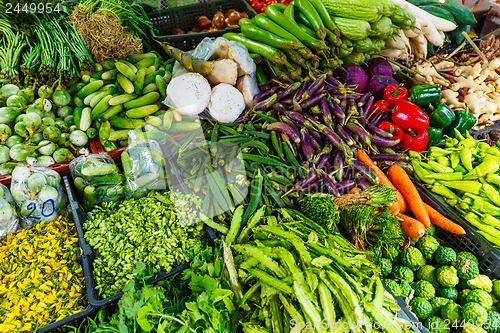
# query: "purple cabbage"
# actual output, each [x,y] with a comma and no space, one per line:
[378,66]
[377,83]
[351,74]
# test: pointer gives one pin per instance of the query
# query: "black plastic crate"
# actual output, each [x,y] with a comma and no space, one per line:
[185,18]
[88,255]
[488,257]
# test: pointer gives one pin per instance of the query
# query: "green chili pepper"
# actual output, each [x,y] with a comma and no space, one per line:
[451,202]
[441,117]
[438,167]
[483,146]
[464,186]
[445,176]
[493,151]
[485,207]
[255,193]
[490,238]
[442,190]
[458,135]
[421,173]
[461,169]
[443,161]
[466,158]
[414,154]
[436,151]
[491,220]
[492,194]
[489,165]
[425,165]
[493,178]
[454,159]
[473,219]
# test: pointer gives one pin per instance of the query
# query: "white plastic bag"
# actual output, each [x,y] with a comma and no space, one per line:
[9,220]
[144,167]
[97,178]
[37,192]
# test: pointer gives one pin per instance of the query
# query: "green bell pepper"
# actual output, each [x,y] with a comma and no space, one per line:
[435,134]
[423,95]
[463,122]
[442,116]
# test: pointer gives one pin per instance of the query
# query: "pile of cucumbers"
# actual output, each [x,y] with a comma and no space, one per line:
[120,95]
[453,11]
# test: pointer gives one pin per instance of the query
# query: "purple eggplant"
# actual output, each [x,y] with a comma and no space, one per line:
[345,186]
[338,165]
[344,134]
[290,123]
[302,89]
[348,96]
[361,182]
[289,91]
[245,118]
[335,108]
[312,120]
[362,119]
[333,81]
[296,106]
[355,127]
[327,114]
[333,137]
[363,99]
[348,173]
[287,101]
[379,117]
[316,136]
[315,110]
[286,129]
[368,106]
[263,87]
[391,157]
[264,94]
[330,185]
[314,142]
[384,142]
[322,160]
[365,171]
[296,116]
[329,170]
[313,88]
[378,131]
[281,108]
[307,147]
[309,179]
[309,103]
[266,104]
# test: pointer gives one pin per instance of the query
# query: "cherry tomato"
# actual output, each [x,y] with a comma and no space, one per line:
[263,9]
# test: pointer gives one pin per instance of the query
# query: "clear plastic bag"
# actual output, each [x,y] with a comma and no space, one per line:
[37,193]
[144,168]
[97,178]
[9,220]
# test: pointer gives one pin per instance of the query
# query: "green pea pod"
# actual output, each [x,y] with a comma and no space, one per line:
[444,191]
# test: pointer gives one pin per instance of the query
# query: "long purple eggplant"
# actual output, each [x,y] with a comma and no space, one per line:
[333,81]
[289,91]
[384,142]
[338,165]
[378,131]
[367,107]
[302,89]
[344,134]
[286,129]
[333,137]
[363,99]
[316,136]
[266,104]
[365,171]
[281,108]
[313,88]
[377,119]
[245,118]
[354,126]
[291,123]
[322,160]
[361,182]
[296,116]
[306,181]
[315,143]
[326,112]
[314,100]
[336,109]
[362,119]
[348,173]
[287,101]
[345,186]
[307,147]
[391,157]
[347,96]
[329,170]
[330,185]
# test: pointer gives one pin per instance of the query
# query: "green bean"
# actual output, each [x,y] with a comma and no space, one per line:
[263,160]
[255,193]
[214,225]
[271,281]
[263,259]
[252,223]
[262,135]
[235,225]
[277,145]
[228,130]
[255,144]
[327,303]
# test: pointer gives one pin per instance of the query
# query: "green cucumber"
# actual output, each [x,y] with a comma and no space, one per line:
[119,135]
[108,64]
[461,13]
[100,169]
[122,122]
[162,86]
[107,180]
[120,99]
[100,107]
[125,71]
[139,82]
[104,131]
[113,110]
[90,88]
[146,62]
[439,12]
[149,88]
[147,99]
[150,78]
[85,119]
[125,83]
[77,115]
[142,111]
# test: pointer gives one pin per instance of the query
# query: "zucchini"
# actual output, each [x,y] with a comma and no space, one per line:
[147,99]
[122,122]
[352,29]
[142,111]
[461,13]
[368,10]
[439,12]
[125,83]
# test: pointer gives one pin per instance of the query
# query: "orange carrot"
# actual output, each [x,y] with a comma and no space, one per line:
[443,222]
[411,227]
[403,183]
[400,205]
[355,190]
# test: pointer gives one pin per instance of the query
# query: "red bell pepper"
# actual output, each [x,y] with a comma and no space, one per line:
[378,107]
[416,143]
[395,94]
[409,115]
[395,130]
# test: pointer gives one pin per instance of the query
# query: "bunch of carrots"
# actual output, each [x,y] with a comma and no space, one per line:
[409,199]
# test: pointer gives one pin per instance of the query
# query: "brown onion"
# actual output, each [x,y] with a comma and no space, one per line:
[177,31]
[218,21]
[232,17]
[203,23]
[243,15]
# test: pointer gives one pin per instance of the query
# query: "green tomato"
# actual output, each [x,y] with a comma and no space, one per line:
[61,97]
[16,101]
[4,154]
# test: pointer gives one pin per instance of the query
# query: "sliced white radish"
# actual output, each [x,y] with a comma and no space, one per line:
[223,71]
[189,93]
[239,54]
[226,103]
[247,85]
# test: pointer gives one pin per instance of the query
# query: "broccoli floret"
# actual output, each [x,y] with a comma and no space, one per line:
[321,208]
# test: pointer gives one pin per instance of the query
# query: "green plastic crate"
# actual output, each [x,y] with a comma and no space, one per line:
[185,18]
